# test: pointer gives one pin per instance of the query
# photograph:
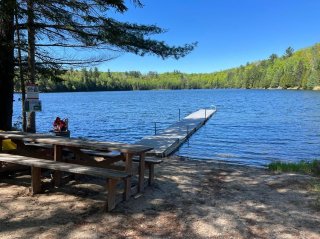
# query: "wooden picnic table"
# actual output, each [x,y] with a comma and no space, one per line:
[75,145]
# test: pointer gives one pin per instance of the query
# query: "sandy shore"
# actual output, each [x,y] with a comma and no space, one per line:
[190,199]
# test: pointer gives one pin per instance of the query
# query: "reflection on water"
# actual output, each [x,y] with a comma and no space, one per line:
[250,127]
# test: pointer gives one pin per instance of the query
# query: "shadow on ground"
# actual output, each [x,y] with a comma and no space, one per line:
[190,199]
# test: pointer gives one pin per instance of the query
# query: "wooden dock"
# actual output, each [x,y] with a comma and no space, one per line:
[170,139]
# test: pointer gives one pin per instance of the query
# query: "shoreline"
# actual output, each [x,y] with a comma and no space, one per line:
[190,199]
[217,162]
[316,88]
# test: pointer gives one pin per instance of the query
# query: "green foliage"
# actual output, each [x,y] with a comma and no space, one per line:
[84,27]
[301,70]
[312,167]
[289,52]
[273,57]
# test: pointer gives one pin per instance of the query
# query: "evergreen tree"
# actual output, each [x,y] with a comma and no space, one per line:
[72,24]
[273,57]
[314,77]
[6,63]
[289,52]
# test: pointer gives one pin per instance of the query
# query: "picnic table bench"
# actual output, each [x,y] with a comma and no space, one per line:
[114,156]
[82,148]
[149,162]
[36,164]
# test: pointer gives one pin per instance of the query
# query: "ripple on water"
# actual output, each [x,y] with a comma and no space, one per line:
[252,127]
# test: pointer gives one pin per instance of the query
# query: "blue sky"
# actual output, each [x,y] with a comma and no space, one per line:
[229,32]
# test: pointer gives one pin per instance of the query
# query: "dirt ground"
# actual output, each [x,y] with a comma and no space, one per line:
[190,199]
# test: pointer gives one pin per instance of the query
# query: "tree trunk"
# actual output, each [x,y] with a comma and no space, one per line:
[22,83]
[31,124]
[6,63]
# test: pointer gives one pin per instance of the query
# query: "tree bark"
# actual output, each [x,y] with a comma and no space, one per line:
[31,123]
[6,63]
[22,83]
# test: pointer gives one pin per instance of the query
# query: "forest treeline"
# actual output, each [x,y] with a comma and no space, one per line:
[300,69]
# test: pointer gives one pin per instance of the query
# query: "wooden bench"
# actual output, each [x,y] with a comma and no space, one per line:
[78,156]
[82,152]
[112,176]
[113,157]
[149,163]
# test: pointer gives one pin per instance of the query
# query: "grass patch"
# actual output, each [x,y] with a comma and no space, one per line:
[312,167]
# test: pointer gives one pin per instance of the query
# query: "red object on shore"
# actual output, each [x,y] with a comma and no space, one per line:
[60,125]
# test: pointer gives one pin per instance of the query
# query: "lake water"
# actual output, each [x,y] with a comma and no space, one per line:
[252,127]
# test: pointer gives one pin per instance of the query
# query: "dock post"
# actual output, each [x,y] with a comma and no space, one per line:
[205,113]
[187,138]
[179,114]
[155,128]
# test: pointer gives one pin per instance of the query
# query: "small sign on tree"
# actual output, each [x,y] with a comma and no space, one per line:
[32,102]
[32,105]
[32,91]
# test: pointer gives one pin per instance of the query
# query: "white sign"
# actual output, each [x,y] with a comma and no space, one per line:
[32,91]
[32,105]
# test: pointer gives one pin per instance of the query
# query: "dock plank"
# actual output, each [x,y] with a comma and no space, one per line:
[170,139]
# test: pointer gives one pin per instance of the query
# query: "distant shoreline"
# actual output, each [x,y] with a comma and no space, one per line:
[316,88]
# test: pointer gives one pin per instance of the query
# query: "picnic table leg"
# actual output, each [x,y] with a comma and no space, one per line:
[57,156]
[151,174]
[112,191]
[20,144]
[141,172]
[0,152]
[127,181]
[35,180]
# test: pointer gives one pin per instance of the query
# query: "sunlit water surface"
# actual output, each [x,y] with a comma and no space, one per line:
[252,127]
